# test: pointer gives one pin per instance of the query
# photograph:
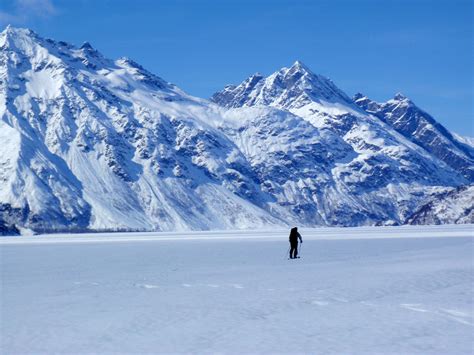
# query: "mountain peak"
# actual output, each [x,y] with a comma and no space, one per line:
[8,28]
[281,89]
[90,51]
[252,80]
[17,31]
[87,46]
[16,37]
[400,97]
[300,66]
[299,69]
[359,96]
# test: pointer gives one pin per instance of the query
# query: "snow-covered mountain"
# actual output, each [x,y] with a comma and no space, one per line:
[92,143]
[368,171]
[288,88]
[422,129]
[88,142]
[455,206]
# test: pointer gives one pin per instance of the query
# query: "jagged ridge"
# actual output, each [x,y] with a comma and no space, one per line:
[418,126]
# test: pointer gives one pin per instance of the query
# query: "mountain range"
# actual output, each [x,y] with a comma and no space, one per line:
[90,143]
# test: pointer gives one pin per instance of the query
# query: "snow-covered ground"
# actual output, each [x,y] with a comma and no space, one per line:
[355,290]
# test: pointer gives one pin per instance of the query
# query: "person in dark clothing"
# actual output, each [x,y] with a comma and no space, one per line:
[294,236]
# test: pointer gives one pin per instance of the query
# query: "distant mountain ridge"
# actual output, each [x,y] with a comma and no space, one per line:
[89,143]
[422,129]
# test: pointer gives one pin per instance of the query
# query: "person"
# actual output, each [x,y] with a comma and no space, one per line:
[294,236]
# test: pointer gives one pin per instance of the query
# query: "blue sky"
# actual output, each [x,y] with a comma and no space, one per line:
[423,48]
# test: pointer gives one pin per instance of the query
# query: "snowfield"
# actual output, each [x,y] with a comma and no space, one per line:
[354,291]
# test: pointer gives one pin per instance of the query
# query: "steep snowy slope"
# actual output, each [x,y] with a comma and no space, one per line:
[418,126]
[92,143]
[455,206]
[365,171]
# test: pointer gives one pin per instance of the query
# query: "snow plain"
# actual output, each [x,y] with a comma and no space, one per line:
[354,291]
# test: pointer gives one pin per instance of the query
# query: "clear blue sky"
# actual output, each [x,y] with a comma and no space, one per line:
[423,48]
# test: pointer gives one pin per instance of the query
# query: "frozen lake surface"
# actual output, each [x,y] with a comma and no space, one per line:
[355,290]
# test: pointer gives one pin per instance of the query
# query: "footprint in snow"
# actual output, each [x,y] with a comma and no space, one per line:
[186,285]
[239,286]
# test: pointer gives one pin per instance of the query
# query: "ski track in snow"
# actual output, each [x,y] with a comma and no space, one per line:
[386,290]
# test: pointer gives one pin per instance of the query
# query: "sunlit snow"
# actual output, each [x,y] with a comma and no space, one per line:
[356,290]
